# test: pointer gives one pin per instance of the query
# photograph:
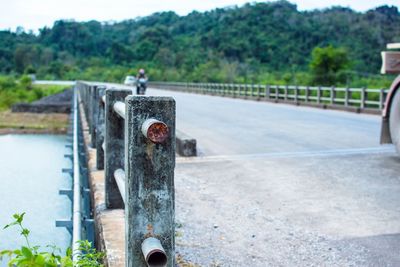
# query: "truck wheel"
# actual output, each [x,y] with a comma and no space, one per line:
[394,120]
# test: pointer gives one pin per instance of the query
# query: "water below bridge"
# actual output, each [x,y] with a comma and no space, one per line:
[30,179]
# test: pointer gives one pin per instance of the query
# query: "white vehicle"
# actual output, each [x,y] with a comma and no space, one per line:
[390,132]
[130,80]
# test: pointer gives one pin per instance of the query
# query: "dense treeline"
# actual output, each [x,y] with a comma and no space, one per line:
[260,42]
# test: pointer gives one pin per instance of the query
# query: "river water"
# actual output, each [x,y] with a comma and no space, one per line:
[30,177]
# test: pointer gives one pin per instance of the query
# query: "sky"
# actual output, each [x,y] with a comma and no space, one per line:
[35,14]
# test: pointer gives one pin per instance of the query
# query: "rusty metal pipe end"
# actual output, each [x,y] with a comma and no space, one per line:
[153,252]
[154,130]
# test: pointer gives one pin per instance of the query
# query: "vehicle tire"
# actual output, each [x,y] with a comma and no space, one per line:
[394,120]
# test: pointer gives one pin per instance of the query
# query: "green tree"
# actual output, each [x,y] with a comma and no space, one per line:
[328,64]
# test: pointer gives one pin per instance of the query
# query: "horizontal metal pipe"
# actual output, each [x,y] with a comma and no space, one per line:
[76,209]
[119,176]
[153,252]
[119,107]
[155,130]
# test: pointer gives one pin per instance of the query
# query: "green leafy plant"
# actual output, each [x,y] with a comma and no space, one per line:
[33,256]
[89,257]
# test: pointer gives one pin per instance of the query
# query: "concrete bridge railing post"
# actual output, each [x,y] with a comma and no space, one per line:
[149,163]
[114,147]
[100,127]
[94,99]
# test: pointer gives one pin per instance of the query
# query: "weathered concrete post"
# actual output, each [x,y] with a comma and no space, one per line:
[89,90]
[149,168]
[114,147]
[100,128]
[94,109]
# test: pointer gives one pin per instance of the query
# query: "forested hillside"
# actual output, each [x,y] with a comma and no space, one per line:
[253,43]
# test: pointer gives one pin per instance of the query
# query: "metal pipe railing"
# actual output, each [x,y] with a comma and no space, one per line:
[77,209]
[361,98]
[119,176]
[119,107]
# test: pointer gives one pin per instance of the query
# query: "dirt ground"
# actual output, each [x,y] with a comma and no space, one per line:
[33,123]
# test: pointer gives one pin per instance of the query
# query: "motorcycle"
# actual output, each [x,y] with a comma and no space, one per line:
[141,86]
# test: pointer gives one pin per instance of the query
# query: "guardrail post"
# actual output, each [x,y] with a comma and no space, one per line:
[319,95]
[346,97]
[286,91]
[114,147]
[333,95]
[100,128]
[149,168]
[363,98]
[296,94]
[307,94]
[267,91]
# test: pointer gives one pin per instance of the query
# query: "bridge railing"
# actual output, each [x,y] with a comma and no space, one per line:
[134,137]
[358,99]
[81,224]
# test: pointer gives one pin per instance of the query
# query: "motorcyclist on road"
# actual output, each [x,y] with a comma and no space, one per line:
[140,76]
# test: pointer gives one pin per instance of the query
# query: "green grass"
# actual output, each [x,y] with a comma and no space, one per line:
[14,91]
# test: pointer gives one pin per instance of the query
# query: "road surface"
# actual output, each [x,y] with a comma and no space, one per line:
[280,185]
[225,126]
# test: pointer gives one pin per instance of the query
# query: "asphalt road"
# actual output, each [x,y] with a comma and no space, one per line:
[280,185]
[225,126]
